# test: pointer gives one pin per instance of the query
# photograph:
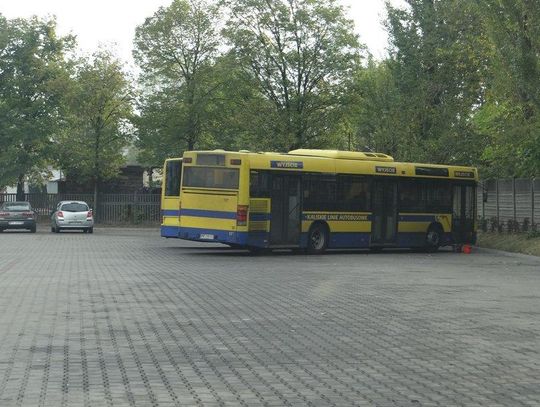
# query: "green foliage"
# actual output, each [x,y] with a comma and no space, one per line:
[175,49]
[376,111]
[32,73]
[98,106]
[438,63]
[511,115]
[461,85]
[299,54]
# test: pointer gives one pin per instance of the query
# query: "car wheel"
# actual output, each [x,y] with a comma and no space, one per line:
[33,230]
[90,230]
[317,239]
[1,230]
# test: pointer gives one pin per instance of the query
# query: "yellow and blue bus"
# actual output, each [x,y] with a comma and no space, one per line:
[170,197]
[324,199]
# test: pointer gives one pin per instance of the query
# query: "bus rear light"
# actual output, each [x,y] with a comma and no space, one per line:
[236,161]
[187,160]
[241,215]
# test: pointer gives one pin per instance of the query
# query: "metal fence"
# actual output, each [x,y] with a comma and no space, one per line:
[514,200]
[111,208]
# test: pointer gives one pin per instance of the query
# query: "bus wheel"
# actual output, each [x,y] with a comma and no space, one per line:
[433,238]
[317,238]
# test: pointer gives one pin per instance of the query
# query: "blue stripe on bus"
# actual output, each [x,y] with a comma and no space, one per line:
[169,231]
[170,212]
[201,213]
[349,239]
[337,239]
[257,217]
[220,236]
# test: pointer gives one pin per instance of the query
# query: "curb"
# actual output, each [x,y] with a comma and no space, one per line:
[508,254]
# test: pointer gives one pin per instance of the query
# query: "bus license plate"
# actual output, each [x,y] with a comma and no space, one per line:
[206,236]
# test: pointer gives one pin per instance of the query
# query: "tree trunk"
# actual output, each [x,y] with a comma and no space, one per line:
[20,188]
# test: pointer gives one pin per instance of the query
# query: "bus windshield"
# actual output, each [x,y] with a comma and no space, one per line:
[211,177]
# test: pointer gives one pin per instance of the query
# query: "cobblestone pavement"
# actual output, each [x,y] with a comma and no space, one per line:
[124,318]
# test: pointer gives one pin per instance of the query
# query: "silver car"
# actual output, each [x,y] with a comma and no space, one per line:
[72,215]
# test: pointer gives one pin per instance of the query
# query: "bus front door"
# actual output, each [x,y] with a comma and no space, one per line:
[285,210]
[384,212]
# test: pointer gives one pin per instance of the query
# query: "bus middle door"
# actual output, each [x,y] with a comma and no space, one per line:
[384,212]
[285,210]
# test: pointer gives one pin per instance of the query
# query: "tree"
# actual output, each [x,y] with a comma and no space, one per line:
[99,106]
[439,62]
[33,70]
[510,118]
[175,49]
[375,111]
[299,53]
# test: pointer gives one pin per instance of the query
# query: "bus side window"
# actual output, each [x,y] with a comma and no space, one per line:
[259,184]
[319,192]
[409,196]
[353,194]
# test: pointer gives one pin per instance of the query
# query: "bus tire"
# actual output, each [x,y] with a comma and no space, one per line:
[434,237]
[318,237]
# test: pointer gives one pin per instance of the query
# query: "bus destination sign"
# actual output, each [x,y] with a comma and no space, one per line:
[464,174]
[287,164]
[385,170]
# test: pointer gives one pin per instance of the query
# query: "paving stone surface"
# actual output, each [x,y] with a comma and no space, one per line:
[125,318]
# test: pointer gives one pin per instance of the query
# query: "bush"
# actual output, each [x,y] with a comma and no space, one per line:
[493,225]
[533,234]
[484,225]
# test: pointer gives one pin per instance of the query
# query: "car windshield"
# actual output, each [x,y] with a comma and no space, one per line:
[16,206]
[74,207]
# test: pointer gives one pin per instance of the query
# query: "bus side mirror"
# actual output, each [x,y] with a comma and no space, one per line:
[484,196]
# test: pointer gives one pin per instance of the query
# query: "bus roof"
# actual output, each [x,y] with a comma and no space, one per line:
[345,162]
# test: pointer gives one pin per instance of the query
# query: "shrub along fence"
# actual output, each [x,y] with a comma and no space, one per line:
[111,209]
[510,205]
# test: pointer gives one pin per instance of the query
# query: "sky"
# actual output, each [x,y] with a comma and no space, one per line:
[113,22]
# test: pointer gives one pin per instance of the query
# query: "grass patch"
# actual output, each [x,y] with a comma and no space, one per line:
[518,243]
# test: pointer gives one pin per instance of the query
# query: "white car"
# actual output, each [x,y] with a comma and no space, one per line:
[72,215]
